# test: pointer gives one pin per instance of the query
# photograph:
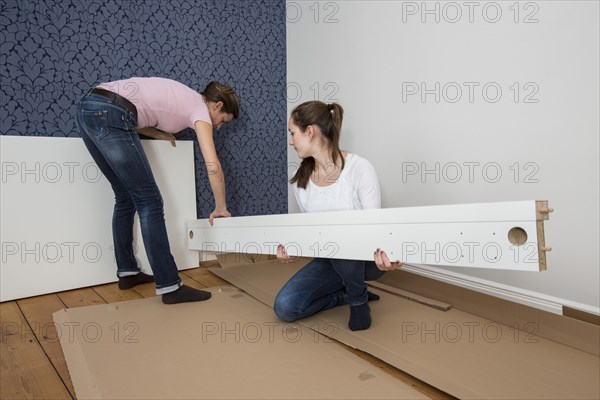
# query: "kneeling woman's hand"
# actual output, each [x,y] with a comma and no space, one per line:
[383,261]
[282,255]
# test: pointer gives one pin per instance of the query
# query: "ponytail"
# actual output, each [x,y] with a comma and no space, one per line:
[328,117]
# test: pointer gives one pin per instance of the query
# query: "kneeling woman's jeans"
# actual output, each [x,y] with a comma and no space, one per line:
[108,131]
[322,284]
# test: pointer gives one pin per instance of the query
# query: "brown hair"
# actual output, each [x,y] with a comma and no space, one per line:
[328,117]
[216,92]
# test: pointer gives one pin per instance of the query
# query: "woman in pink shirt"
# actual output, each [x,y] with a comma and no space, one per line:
[109,118]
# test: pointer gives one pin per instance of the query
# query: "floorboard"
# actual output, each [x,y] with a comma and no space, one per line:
[80,298]
[111,293]
[25,370]
[38,313]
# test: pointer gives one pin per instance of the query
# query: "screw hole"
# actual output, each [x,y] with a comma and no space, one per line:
[517,236]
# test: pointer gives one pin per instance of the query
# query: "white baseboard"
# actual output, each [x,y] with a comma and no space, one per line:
[522,296]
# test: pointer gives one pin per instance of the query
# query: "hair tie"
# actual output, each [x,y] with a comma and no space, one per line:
[330,107]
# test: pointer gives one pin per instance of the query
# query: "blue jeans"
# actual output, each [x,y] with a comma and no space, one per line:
[322,284]
[108,131]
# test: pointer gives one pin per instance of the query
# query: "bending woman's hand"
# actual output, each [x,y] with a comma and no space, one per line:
[170,137]
[282,255]
[158,134]
[218,213]
[383,261]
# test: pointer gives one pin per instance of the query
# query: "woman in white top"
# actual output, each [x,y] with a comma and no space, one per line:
[330,179]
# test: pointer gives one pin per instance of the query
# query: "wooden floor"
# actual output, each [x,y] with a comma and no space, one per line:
[32,365]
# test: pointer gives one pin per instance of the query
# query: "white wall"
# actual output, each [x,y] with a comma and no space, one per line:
[369,55]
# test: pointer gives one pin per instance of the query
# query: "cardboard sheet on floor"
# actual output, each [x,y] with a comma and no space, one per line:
[229,347]
[459,353]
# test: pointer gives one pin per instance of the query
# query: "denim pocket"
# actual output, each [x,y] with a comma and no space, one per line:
[117,118]
[95,123]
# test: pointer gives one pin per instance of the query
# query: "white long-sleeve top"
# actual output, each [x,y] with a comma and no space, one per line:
[357,188]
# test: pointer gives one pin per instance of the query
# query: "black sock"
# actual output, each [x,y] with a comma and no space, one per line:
[360,317]
[185,294]
[372,296]
[127,282]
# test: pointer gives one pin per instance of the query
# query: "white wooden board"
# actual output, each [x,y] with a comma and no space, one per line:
[467,235]
[56,212]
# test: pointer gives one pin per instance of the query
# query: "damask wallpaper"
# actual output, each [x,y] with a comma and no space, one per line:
[53,51]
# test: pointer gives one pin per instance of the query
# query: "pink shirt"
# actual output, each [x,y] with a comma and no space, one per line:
[162,103]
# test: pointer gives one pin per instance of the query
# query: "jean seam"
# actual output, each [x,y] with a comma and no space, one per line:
[149,174]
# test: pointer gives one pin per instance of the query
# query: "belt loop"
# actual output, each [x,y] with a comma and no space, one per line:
[86,94]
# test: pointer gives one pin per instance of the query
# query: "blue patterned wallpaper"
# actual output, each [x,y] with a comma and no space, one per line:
[53,51]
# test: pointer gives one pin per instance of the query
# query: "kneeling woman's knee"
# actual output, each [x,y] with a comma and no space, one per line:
[284,309]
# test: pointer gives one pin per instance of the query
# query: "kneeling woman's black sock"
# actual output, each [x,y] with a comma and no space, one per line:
[360,317]
[372,296]
[185,294]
